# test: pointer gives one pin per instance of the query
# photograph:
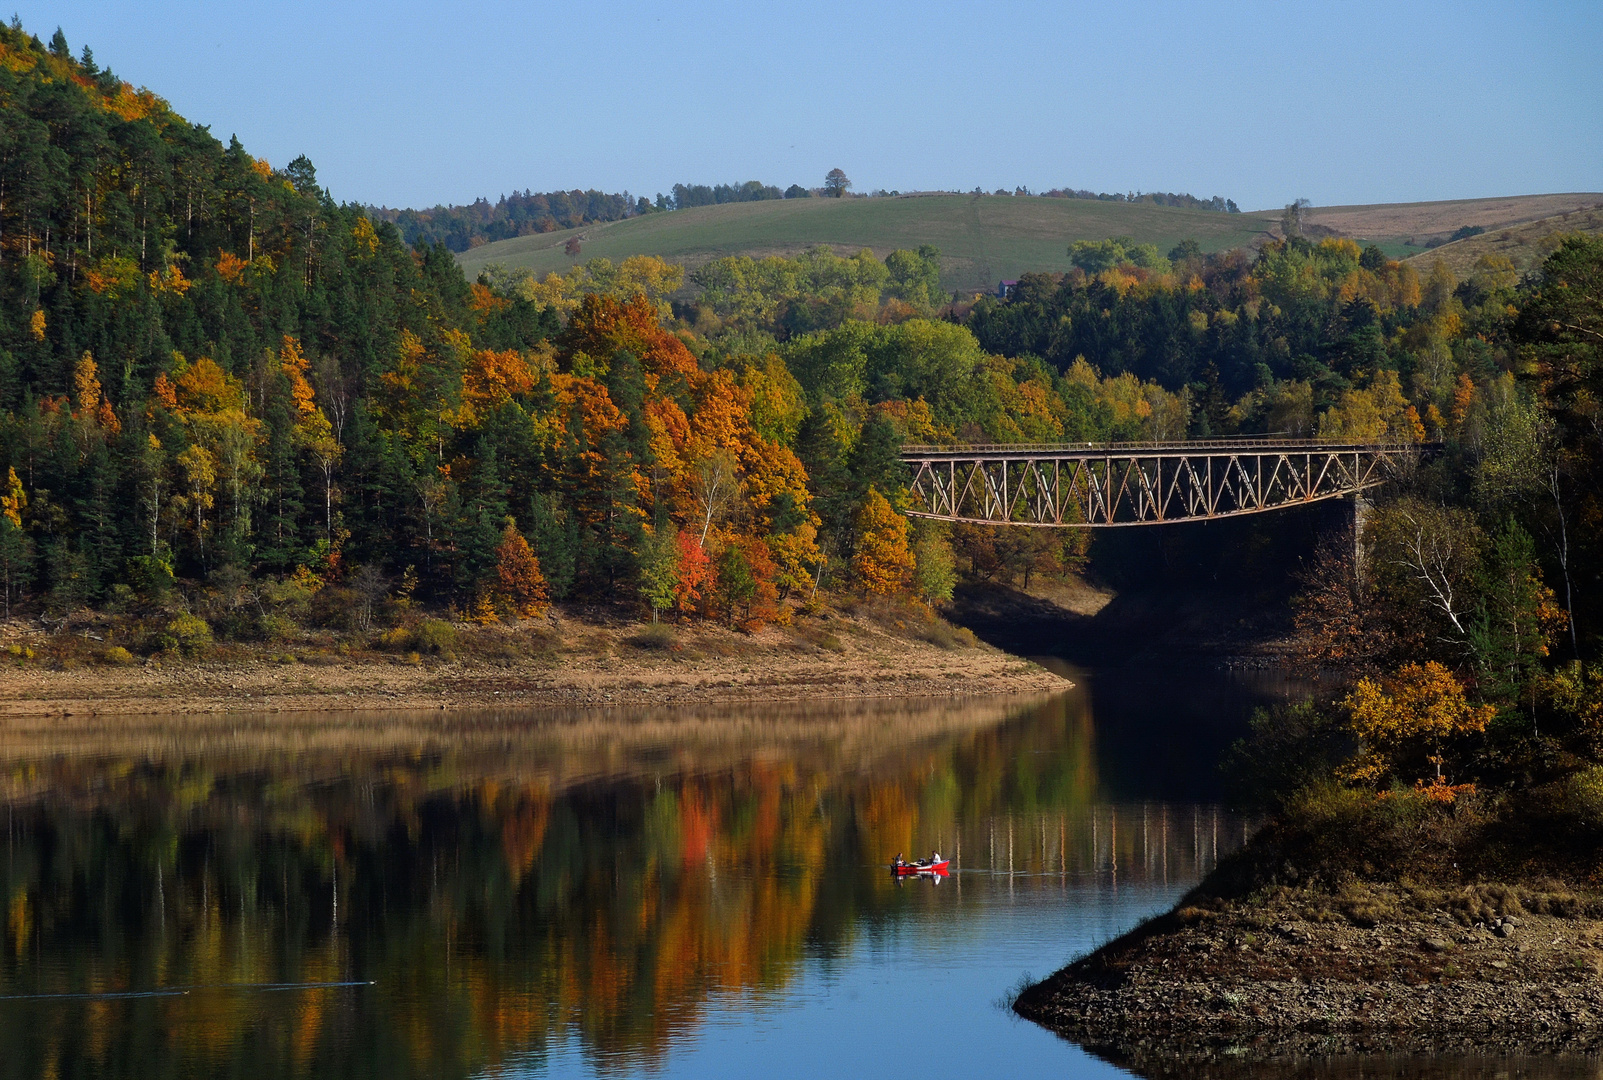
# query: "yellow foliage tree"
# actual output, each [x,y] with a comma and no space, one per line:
[15,499]
[86,383]
[1377,414]
[883,561]
[1422,705]
[312,428]
[200,477]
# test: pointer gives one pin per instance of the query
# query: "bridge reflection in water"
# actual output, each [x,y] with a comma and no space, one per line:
[1108,844]
[1116,484]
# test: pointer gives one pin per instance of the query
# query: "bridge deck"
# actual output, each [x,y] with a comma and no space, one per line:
[1105,485]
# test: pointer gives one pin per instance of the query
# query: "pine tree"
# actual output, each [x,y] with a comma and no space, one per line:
[481,524]
[555,536]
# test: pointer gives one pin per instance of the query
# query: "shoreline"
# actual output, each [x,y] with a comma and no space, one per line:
[580,663]
[1291,972]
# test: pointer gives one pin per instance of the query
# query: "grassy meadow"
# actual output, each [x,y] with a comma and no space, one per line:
[983,238]
[986,238]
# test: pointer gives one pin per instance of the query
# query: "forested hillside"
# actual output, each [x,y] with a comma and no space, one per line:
[223,392]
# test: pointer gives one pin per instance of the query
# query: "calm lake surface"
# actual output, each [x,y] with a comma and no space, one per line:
[616,893]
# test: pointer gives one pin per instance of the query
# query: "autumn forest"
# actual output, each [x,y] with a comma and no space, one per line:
[231,407]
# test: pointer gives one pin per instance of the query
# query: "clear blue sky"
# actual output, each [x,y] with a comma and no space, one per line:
[409,103]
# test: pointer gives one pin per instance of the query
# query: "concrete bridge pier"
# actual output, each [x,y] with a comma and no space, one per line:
[1360,509]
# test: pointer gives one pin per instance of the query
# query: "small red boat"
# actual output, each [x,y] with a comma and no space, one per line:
[942,868]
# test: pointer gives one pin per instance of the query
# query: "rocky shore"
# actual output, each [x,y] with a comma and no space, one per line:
[1312,972]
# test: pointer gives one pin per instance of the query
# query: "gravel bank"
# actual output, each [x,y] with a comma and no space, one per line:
[1309,972]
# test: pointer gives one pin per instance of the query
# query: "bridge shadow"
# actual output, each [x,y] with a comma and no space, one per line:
[1191,592]
[1194,637]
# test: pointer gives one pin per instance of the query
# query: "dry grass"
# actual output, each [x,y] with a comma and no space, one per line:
[572,658]
[1524,245]
[1423,221]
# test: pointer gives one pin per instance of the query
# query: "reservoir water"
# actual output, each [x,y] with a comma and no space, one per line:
[620,893]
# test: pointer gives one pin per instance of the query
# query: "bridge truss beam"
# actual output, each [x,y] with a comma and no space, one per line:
[1138,484]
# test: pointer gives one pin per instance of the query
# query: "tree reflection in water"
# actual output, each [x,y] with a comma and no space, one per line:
[507,881]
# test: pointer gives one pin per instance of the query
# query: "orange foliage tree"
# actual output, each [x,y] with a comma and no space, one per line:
[518,584]
[695,572]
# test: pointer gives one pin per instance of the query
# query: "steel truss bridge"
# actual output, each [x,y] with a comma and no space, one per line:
[1116,484]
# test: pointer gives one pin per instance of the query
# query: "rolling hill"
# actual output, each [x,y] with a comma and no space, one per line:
[1524,244]
[1403,229]
[983,238]
[986,238]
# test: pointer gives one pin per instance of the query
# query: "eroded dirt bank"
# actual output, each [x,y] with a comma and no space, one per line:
[572,661]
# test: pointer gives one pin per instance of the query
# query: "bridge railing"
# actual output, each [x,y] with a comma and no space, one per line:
[1251,444]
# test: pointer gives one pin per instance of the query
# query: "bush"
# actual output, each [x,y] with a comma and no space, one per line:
[119,656]
[151,579]
[188,635]
[334,608]
[434,635]
[946,636]
[274,629]
[1583,795]
[1292,747]
[655,636]
[822,638]
[289,599]
[400,639]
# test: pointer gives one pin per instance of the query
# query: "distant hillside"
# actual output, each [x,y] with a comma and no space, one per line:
[983,238]
[1405,229]
[1524,245]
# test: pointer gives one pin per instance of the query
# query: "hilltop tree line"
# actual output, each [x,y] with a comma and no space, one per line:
[528,213]
[461,228]
[1186,201]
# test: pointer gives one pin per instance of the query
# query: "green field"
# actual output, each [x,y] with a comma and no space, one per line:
[983,238]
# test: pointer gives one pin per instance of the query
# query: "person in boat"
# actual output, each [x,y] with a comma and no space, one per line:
[899,861]
[935,858]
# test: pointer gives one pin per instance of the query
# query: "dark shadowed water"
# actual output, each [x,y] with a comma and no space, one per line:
[611,893]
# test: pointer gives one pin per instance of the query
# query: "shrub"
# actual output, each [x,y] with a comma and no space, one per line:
[274,628]
[946,636]
[189,635]
[1583,795]
[333,607]
[654,636]
[399,639]
[151,579]
[119,656]
[291,598]
[434,635]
